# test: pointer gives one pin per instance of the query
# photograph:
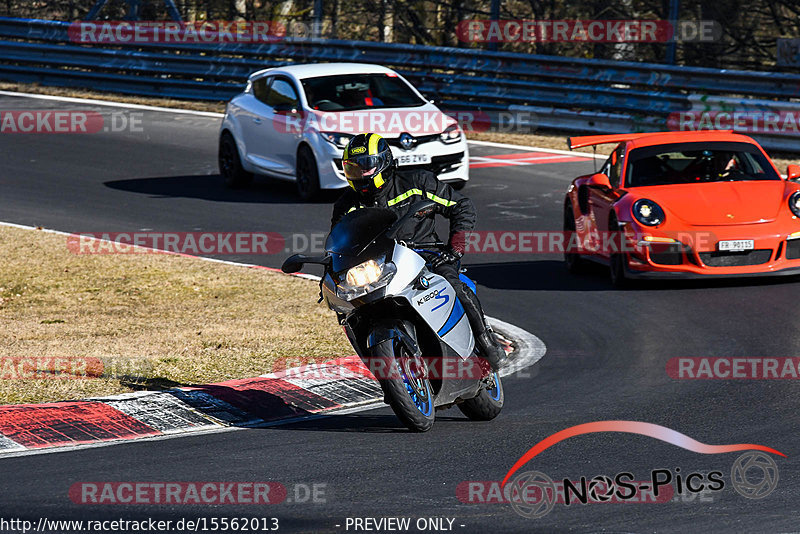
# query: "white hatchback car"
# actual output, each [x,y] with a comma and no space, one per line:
[293,122]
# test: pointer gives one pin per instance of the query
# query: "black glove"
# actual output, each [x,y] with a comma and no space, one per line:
[446,256]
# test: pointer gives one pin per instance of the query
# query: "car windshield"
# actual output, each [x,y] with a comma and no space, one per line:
[686,163]
[348,92]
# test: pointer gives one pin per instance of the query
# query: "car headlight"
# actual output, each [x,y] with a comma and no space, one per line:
[452,134]
[794,203]
[365,278]
[340,140]
[648,212]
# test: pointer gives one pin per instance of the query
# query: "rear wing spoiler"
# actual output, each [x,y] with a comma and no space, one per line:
[593,140]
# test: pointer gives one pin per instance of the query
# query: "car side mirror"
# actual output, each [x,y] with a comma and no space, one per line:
[793,172]
[285,107]
[599,180]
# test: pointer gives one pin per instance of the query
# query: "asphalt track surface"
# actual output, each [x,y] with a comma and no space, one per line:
[606,357]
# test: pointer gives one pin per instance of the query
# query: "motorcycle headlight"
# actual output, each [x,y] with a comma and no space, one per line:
[365,273]
[452,134]
[336,138]
[365,278]
[648,212]
[794,203]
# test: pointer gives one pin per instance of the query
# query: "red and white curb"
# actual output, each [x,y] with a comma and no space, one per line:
[343,385]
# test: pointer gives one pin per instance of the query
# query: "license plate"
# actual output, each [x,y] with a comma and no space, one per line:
[413,159]
[736,245]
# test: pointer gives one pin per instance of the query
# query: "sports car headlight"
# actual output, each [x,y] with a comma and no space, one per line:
[336,138]
[648,212]
[794,203]
[451,135]
[365,278]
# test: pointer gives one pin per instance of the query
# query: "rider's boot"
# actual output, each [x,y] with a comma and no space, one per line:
[487,343]
[490,349]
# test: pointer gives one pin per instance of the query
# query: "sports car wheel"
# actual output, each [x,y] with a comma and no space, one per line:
[574,263]
[230,165]
[618,278]
[307,174]
[617,265]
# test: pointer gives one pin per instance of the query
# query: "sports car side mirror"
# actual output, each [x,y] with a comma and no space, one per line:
[599,180]
[793,172]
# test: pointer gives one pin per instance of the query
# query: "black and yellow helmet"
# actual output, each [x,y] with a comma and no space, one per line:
[367,163]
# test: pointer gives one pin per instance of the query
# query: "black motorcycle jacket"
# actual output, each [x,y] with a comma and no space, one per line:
[408,187]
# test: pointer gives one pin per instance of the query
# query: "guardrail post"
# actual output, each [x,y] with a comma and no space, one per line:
[316,29]
[495,15]
[672,45]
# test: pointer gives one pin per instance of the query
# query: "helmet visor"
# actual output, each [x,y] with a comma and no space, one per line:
[366,167]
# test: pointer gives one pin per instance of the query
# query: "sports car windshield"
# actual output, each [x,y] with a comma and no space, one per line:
[687,163]
[348,92]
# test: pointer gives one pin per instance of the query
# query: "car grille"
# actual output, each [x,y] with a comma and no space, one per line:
[736,259]
[395,141]
[666,254]
[793,249]
[438,164]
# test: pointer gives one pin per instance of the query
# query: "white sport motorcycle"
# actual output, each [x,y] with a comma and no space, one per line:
[404,321]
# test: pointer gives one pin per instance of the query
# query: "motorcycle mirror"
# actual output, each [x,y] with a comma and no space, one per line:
[296,262]
[293,263]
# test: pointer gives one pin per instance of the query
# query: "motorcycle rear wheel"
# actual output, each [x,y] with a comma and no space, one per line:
[486,405]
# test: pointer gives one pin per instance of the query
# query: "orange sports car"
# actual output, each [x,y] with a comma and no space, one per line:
[683,204]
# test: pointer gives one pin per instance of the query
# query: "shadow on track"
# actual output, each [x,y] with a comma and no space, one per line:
[210,187]
[552,275]
[361,422]
[358,422]
[546,275]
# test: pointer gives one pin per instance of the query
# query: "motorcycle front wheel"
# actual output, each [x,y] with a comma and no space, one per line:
[406,386]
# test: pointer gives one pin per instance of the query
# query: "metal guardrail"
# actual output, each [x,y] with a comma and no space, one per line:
[569,94]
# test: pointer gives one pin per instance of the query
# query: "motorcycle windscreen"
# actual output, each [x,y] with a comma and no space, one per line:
[358,237]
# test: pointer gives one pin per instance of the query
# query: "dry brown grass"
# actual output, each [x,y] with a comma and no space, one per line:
[159,319]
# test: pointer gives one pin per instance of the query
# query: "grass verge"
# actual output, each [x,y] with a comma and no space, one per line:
[154,320]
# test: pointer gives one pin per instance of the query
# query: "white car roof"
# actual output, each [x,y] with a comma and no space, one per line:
[313,70]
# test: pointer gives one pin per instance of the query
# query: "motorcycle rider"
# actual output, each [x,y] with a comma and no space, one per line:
[375,181]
